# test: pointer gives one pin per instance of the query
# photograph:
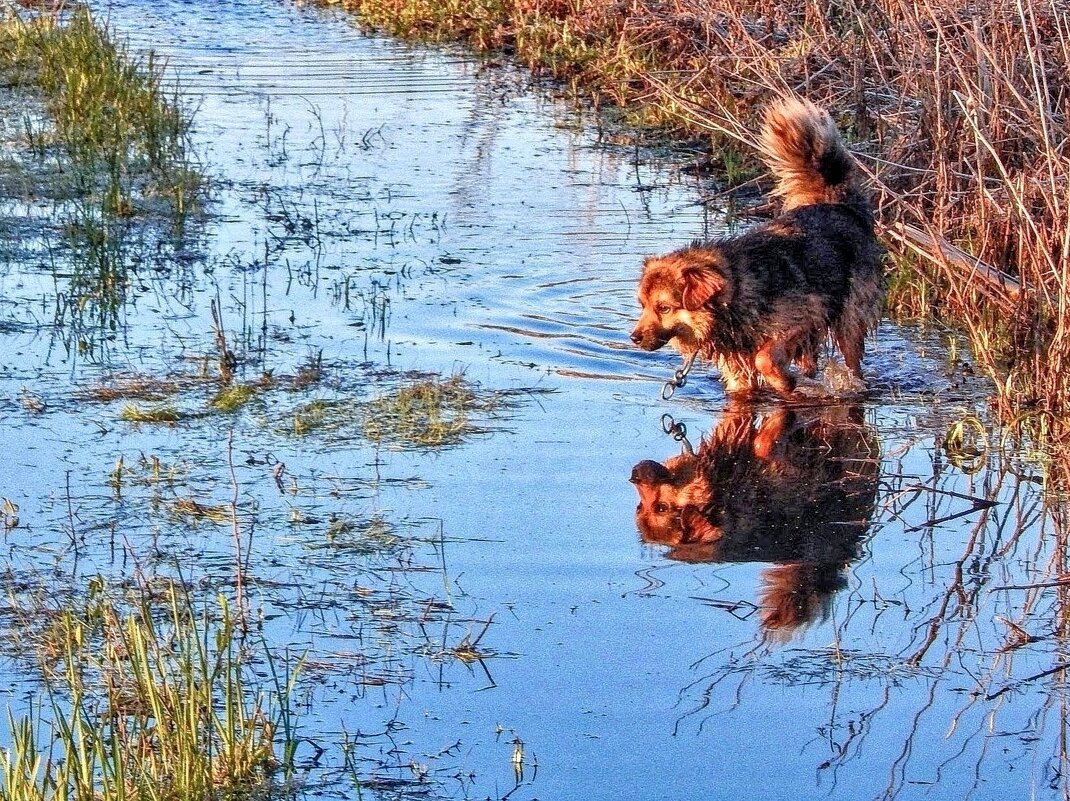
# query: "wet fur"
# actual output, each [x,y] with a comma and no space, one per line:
[796,488]
[771,297]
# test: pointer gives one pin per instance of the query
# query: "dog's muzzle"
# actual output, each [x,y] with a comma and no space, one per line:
[650,472]
[647,341]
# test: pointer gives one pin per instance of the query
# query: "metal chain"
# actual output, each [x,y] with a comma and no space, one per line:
[679,378]
[678,431]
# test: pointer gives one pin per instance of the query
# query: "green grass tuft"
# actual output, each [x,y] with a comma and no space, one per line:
[428,413]
[322,415]
[132,413]
[151,703]
[233,398]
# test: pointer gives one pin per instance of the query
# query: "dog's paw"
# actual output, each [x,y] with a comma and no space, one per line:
[810,388]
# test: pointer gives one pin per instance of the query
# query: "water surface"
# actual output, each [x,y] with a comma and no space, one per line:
[856,611]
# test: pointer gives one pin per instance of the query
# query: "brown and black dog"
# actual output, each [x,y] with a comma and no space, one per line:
[796,487]
[758,302]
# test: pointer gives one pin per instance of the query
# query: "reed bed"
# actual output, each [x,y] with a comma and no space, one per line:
[124,135]
[959,111]
[149,701]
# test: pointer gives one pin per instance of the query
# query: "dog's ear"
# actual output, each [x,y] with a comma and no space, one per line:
[697,527]
[701,285]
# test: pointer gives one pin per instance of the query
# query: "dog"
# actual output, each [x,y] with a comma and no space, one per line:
[796,488]
[757,303]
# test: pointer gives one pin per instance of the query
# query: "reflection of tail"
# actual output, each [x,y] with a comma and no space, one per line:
[794,595]
[803,149]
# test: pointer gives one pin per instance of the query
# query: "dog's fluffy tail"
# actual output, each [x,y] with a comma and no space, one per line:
[802,147]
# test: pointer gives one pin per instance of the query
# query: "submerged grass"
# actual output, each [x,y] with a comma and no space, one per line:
[233,398]
[363,535]
[190,388]
[322,415]
[132,413]
[109,112]
[420,411]
[427,413]
[151,703]
[957,110]
[193,510]
[143,387]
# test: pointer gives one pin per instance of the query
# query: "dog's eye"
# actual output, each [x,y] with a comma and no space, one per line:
[663,308]
[661,508]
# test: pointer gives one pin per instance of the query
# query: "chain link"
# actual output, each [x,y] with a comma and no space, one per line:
[679,378]
[678,431]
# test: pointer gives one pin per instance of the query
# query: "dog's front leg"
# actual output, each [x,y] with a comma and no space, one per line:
[771,361]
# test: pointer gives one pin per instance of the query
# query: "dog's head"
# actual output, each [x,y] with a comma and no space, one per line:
[677,293]
[670,496]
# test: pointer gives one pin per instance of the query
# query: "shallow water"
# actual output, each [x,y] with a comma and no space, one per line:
[839,623]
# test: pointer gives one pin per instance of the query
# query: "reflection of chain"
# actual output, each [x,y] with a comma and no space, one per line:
[678,431]
[679,378]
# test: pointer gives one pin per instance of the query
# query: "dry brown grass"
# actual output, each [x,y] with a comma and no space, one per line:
[958,109]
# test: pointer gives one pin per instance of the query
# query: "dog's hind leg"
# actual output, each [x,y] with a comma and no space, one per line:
[861,313]
[852,345]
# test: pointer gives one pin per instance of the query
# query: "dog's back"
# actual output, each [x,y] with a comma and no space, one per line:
[822,246]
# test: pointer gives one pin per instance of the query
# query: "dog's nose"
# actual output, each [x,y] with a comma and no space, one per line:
[650,472]
[637,337]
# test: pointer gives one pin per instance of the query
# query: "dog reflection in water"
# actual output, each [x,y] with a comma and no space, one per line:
[794,487]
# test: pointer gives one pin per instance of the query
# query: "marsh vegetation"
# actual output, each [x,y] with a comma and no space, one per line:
[122,135]
[92,132]
[316,482]
[147,695]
